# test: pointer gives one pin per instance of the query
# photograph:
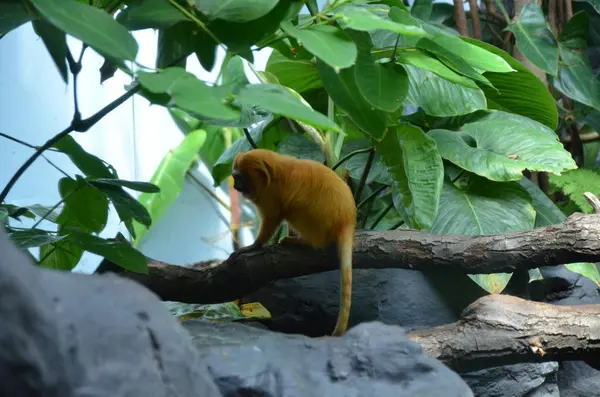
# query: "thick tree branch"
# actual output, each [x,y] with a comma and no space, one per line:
[577,239]
[502,329]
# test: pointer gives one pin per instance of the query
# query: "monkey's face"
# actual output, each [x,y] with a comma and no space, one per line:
[241,183]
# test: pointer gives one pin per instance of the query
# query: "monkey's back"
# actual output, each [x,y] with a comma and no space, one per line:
[316,202]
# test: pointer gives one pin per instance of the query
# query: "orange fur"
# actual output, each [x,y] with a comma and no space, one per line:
[312,198]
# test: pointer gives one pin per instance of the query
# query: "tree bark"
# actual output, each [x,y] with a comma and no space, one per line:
[577,239]
[501,329]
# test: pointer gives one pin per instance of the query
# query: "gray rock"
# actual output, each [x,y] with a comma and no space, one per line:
[65,334]
[371,359]
[518,380]
[577,379]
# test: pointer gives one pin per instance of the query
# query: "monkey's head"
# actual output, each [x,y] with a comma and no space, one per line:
[251,172]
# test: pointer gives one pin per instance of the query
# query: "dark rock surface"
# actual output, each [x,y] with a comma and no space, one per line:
[371,359]
[64,334]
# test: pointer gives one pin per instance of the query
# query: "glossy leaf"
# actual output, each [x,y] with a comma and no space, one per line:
[127,207]
[428,63]
[534,38]
[482,57]
[133,185]
[586,269]
[169,177]
[84,205]
[298,74]
[364,19]
[89,164]
[328,43]
[547,213]
[118,252]
[575,77]
[235,10]
[195,96]
[45,211]
[32,238]
[344,92]
[16,212]
[302,147]
[12,15]
[439,97]
[416,167]
[161,81]
[501,145]
[150,14]
[279,100]
[519,92]
[233,74]
[356,164]
[484,207]
[384,86]
[421,9]
[55,41]
[91,25]
[62,255]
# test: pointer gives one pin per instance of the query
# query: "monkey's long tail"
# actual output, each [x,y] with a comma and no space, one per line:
[345,243]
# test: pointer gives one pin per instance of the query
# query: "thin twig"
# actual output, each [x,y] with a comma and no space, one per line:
[249,138]
[365,174]
[382,214]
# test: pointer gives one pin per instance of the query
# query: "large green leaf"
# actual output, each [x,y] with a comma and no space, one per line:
[161,81]
[62,255]
[501,145]
[416,167]
[356,164]
[193,95]
[421,9]
[344,92]
[535,39]
[423,61]
[89,164]
[484,207]
[169,176]
[519,92]
[45,211]
[384,86]
[298,74]
[118,252]
[150,14]
[575,77]
[84,205]
[439,97]
[91,25]
[32,238]
[235,10]
[328,43]
[12,15]
[55,41]
[367,19]
[127,207]
[279,100]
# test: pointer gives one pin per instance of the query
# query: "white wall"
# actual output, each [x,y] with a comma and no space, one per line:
[35,104]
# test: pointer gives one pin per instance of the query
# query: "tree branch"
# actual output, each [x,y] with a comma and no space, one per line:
[577,239]
[501,329]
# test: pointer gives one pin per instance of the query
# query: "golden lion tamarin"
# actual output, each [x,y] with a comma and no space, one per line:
[316,203]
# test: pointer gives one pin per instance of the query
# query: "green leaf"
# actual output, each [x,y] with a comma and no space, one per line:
[576,182]
[12,15]
[301,147]
[416,167]
[91,25]
[235,10]
[484,207]
[328,43]
[195,96]
[127,207]
[133,185]
[343,90]
[575,77]
[488,147]
[16,212]
[534,38]
[160,82]
[425,62]
[520,92]
[364,19]
[150,14]
[62,255]
[547,213]
[84,205]
[421,9]
[384,86]
[298,74]
[439,97]
[89,164]
[234,76]
[43,210]
[169,177]
[118,252]
[589,270]
[279,100]
[55,41]
[32,238]
[356,164]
